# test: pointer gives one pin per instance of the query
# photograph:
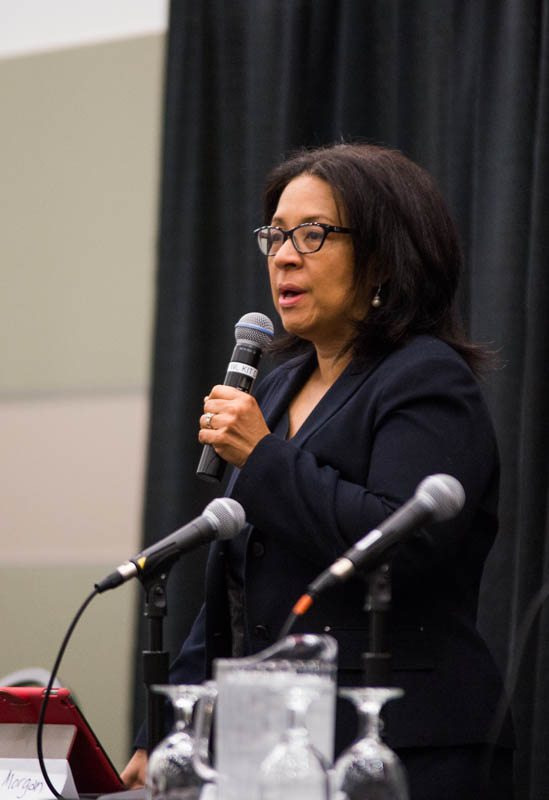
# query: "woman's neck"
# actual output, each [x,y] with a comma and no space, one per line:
[330,365]
[324,375]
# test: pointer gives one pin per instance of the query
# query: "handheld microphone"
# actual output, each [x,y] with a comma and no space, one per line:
[223,518]
[253,332]
[437,498]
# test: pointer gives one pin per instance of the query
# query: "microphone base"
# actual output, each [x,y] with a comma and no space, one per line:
[211,467]
[204,476]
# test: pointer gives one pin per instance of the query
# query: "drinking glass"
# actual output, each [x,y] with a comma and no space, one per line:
[170,773]
[369,769]
[250,713]
[294,769]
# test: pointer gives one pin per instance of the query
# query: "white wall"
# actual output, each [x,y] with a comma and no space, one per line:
[37,25]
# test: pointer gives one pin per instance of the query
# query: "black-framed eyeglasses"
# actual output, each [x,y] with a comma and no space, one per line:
[306,238]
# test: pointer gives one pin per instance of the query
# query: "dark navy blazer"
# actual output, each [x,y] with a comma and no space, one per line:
[381,428]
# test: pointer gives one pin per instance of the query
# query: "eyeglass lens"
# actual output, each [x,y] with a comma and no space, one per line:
[306,239]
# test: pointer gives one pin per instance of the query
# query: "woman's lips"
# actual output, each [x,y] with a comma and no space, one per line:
[289,296]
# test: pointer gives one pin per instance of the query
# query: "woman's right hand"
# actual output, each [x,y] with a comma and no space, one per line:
[134,773]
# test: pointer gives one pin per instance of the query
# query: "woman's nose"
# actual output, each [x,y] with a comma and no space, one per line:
[287,255]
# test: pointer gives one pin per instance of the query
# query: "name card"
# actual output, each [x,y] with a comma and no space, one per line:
[20,774]
[22,779]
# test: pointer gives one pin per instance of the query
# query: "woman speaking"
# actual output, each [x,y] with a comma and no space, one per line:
[377,390]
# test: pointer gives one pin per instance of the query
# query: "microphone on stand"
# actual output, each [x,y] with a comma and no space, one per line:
[253,332]
[223,518]
[437,498]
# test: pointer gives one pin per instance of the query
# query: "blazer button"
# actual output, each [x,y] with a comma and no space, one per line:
[261,631]
[258,549]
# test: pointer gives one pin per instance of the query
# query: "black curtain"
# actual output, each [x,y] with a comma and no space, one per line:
[461,86]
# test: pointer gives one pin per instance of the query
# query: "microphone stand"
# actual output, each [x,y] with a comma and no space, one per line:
[376,661]
[155,658]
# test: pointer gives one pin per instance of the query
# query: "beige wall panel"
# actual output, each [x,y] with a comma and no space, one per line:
[71,479]
[79,151]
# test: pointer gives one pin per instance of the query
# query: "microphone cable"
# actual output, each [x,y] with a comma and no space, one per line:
[303,604]
[48,690]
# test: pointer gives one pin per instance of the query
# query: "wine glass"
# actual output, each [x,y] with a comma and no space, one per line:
[294,769]
[170,773]
[368,769]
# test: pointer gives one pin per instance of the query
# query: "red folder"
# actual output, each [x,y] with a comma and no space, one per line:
[92,770]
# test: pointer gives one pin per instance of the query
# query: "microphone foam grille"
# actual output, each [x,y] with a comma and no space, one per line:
[255,328]
[443,494]
[227,516]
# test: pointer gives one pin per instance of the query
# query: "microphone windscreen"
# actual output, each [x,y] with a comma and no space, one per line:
[254,328]
[443,495]
[226,515]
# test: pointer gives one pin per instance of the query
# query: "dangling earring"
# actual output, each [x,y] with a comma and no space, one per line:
[376,300]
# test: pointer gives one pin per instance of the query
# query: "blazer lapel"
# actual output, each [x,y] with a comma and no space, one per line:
[291,380]
[350,380]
